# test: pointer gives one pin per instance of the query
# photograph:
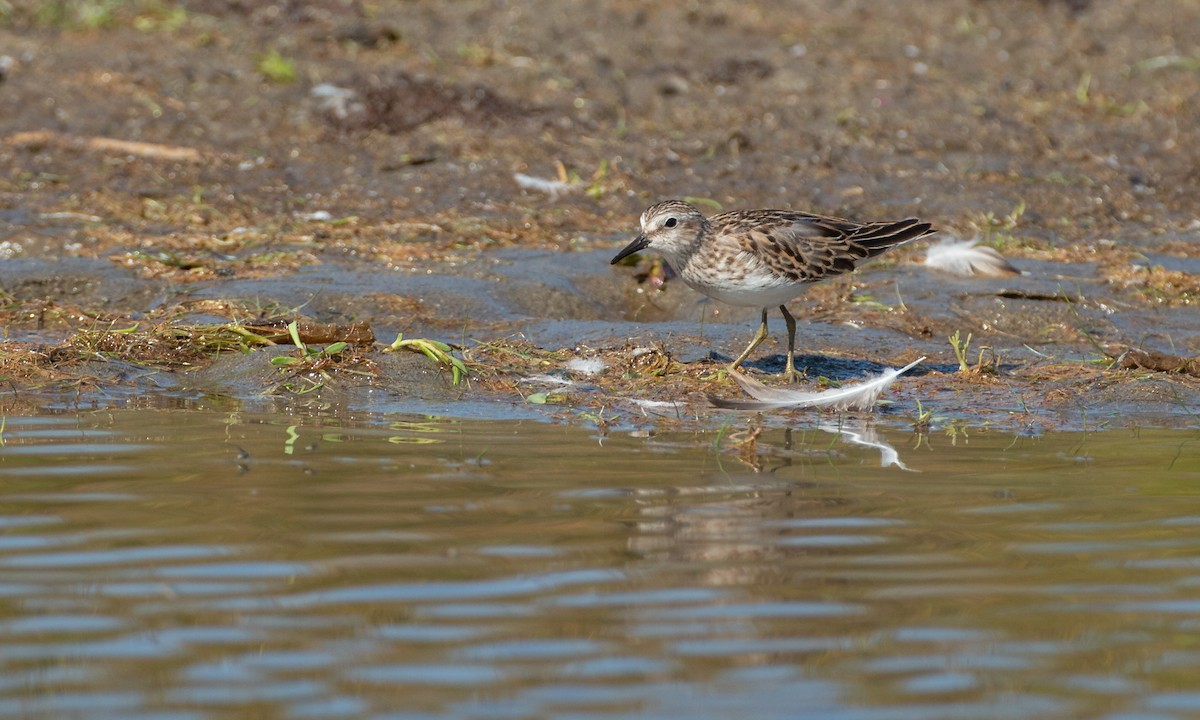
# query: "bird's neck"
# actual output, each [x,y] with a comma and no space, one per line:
[681,254]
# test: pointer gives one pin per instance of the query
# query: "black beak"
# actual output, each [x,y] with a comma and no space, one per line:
[639,243]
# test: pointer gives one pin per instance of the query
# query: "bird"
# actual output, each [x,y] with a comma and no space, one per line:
[763,258]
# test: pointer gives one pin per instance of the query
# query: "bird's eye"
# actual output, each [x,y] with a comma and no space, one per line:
[670,222]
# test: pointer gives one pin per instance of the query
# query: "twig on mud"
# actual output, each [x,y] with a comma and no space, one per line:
[1135,358]
[152,151]
[311,332]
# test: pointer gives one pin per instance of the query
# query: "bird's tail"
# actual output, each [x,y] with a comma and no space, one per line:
[878,238]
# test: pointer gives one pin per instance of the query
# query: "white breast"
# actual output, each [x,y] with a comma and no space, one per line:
[740,280]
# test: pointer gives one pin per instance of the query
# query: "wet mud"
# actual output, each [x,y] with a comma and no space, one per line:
[178,182]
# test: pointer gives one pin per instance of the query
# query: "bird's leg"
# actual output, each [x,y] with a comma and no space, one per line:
[789,372]
[754,342]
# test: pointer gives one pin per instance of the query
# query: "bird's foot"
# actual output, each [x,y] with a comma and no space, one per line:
[790,374]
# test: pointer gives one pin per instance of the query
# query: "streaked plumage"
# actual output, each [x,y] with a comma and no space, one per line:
[763,258]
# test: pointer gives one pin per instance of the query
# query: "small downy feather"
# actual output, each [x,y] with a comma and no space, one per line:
[968,259]
[860,396]
[553,188]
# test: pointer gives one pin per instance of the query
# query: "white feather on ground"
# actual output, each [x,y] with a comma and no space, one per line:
[340,102]
[860,396]
[553,188]
[586,366]
[968,259]
[547,380]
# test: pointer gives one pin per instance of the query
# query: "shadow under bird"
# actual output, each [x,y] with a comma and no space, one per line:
[763,258]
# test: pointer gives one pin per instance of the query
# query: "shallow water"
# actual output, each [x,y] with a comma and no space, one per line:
[182,564]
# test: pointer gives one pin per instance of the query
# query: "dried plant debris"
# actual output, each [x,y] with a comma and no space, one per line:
[280,331]
[36,139]
[1135,358]
[310,367]
[1154,283]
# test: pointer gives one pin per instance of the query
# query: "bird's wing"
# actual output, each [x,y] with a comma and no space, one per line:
[797,246]
[805,247]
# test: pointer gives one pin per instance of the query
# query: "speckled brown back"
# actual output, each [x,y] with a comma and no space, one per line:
[803,247]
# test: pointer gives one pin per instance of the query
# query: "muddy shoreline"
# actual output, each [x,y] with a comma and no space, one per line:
[173,175]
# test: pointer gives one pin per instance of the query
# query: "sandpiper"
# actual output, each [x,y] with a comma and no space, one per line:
[763,258]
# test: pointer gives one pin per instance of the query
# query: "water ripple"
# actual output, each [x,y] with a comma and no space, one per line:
[300,565]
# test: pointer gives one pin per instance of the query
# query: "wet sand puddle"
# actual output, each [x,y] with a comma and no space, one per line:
[188,564]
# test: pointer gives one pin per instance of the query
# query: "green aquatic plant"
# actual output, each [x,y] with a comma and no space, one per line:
[923,419]
[998,231]
[988,361]
[160,18]
[308,355]
[77,14]
[541,398]
[960,350]
[705,201]
[597,188]
[435,350]
[276,68]
[310,362]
